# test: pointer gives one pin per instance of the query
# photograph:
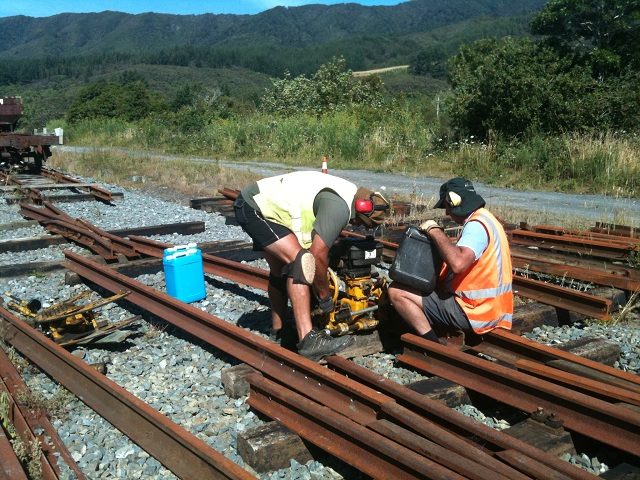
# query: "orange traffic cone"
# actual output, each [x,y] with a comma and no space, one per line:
[325,169]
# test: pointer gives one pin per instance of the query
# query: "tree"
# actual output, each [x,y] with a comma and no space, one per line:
[514,86]
[332,87]
[129,100]
[431,60]
[602,33]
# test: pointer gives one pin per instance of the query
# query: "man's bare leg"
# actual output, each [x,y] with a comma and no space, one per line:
[285,251]
[277,296]
[409,305]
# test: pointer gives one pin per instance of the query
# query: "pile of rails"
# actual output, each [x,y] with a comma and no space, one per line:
[382,428]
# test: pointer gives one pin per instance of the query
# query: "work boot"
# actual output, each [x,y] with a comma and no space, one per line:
[275,334]
[318,344]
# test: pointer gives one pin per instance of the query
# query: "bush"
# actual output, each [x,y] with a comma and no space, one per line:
[331,88]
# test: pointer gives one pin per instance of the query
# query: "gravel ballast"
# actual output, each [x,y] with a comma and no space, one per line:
[178,375]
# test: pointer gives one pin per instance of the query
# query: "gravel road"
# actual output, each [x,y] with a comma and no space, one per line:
[591,207]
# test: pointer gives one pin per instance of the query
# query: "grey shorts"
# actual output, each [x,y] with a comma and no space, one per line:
[444,313]
[262,232]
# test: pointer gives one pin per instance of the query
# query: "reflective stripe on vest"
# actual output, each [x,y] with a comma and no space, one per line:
[288,199]
[485,290]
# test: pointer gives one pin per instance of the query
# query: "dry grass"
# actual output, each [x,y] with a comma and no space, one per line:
[628,311]
[198,179]
[188,177]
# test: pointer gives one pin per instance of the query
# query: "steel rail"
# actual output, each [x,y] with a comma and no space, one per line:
[98,192]
[563,298]
[181,452]
[49,469]
[10,466]
[431,449]
[575,245]
[534,260]
[99,241]
[305,376]
[369,452]
[357,402]
[613,425]
[218,266]
[510,348]
[590,235]
[33,424]
[630,242]
[492,440]
[617,230]
[593,388]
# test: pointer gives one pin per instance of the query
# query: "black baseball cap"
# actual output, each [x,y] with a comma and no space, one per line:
[470,200]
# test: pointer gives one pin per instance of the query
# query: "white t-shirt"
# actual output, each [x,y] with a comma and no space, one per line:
[475,237]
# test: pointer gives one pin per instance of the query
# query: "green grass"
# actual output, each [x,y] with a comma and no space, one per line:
[400,140]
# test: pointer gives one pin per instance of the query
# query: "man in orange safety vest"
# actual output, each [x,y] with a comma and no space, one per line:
[474,288]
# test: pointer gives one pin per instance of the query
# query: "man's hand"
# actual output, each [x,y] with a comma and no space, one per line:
[429,225]
[326,304]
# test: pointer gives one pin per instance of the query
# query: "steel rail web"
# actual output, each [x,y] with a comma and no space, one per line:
[605,422]
[32,424]
[181,452]
[10,466]
[539,352]
[49,469]
[353,400]
[433,410]
[341,437]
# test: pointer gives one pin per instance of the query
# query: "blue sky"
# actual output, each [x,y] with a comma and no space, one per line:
[37,8]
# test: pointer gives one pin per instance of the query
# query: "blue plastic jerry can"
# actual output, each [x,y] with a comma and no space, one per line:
[184,273]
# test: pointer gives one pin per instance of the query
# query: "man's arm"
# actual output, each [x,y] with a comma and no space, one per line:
[320,252]
[459,259]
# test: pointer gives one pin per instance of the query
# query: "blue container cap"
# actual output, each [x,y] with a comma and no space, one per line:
[178,248]
[181,253]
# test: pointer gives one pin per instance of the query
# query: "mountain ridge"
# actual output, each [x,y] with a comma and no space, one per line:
[72,34]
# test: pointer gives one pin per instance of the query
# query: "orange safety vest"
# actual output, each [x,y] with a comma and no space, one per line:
[485,291]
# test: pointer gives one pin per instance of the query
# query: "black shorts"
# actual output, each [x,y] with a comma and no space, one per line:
[444,313]
[262,232]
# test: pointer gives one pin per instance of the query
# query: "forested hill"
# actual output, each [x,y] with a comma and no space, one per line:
[67,35]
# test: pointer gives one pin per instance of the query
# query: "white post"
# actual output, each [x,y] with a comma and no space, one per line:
[60,133]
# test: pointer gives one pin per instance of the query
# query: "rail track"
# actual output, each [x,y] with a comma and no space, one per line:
[382,428]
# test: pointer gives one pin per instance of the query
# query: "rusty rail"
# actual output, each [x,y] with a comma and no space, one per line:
[491,440]
[608,423]
[602,273]
[585,234]
[509,348]
[98,192]
[33,425]
[369,452]
[99,241]
[574,245]
[10,466]
[181,452]
[359,403]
